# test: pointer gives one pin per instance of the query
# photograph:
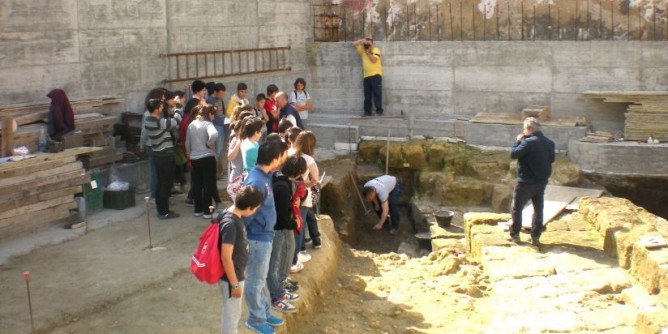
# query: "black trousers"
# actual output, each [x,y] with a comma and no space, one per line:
[165,170]
[523,193]
[203,178]
[373,88]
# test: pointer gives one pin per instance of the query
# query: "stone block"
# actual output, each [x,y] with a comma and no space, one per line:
[369,151]
[502,195]
[650,268]
[652,322]
[435,155]
[463,191]
[396,158]
[565,172]
[446,244]
[414,155]
[489,166]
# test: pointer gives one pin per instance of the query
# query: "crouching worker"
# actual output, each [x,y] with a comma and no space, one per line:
[383,192]
[234,254]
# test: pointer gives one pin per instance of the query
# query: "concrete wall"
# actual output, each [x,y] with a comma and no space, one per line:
[114,47]
[459,79]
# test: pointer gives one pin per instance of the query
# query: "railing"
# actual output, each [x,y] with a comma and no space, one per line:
[500,20]
[187,66]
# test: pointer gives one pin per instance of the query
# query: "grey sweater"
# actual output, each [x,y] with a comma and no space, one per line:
[201,139]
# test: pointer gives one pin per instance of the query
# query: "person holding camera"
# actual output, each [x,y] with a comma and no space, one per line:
[373,74]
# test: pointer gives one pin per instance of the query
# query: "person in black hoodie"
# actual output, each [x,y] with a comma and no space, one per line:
[284,241]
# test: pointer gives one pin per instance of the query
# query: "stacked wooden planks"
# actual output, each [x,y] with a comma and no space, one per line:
[39,191]
[94,124]
[647,113]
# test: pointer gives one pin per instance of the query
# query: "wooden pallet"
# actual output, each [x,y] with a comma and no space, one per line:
[39,191]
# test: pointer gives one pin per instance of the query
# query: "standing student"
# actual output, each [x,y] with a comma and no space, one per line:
[260,229]
[200,144]
[158,130]
[283,246]
[216,100]
[301,99]
[251,131]
[373,74]
[233,247]
[260,113]
[273,114]
[234,157]
[535,155]
[145,141]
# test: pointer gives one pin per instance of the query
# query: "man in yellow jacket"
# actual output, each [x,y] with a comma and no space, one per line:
[373,74]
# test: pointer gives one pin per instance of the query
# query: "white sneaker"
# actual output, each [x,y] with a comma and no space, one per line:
[303,257]
[297,268]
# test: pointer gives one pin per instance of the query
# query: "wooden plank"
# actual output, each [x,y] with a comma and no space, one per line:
[39,182]
[33,207]
[7,136]
[556,200]
[21,180]
[74,179]
[28,223]
[36,167]
[48,157]
[39,197]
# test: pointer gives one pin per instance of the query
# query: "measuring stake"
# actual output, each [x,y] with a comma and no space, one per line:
[148,221]
[26,277]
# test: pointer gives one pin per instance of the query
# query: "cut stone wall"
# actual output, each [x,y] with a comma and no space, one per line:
[100,47]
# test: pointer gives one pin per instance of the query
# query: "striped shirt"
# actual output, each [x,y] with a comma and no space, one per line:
[159,133]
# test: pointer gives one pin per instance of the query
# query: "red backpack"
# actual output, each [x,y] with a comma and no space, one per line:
[206,264]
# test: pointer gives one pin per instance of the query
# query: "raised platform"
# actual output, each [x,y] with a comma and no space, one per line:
[620,158]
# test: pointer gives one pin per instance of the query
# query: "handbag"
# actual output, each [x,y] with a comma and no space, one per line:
[234,186]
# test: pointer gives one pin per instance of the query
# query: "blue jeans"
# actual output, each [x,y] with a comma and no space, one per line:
[279,255]
[312,223]
[373,88]
[259,307]
[522,194]
[153,178]
[299,241]
[393,200]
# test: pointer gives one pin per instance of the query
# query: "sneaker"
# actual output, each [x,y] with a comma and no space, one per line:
[290,287]
[291,281]
[303,257]
[275,321]
[283,307]
[514,238]
[198,214]
[189,202]
[206,216]
[169,215]
[317,246]
[262,328]
[296,268]
[534,242]
[289,297]
[394,231]
[307,240]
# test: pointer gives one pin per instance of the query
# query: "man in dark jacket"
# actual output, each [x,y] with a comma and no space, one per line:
[535,155]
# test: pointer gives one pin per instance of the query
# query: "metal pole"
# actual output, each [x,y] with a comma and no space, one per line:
[533,30]
[461,22]
[509,21]
[577,20]
[148,221]
[549,21]
[452,28]
[484,23]
[587,20]
[522,10]
[473,19]
[612,19]
[26,277]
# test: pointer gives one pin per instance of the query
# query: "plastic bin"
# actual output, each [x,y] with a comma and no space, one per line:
[119,200]
[93,196]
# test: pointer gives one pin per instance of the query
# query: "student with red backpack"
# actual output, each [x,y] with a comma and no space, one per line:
[234,254]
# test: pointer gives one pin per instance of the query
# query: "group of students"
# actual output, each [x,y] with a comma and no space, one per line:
[270,155]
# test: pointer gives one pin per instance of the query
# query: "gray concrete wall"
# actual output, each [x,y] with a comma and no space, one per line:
[113,47]
[434,80]
[620,158]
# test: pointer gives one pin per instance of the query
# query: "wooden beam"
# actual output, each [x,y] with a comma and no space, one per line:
[7,136]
